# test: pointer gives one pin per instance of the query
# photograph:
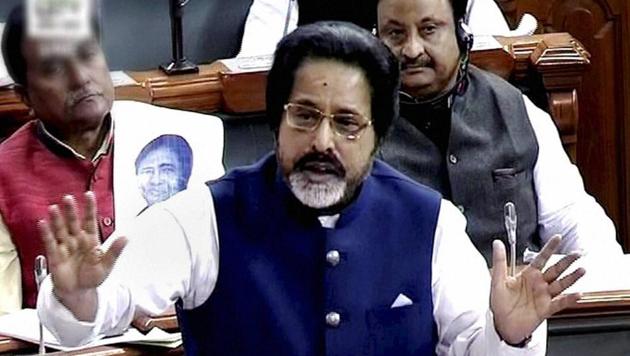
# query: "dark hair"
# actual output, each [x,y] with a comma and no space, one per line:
[175,144]
[459,9]
[346,43]
[13,36]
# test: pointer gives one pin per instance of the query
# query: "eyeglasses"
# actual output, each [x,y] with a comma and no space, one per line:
[307,118]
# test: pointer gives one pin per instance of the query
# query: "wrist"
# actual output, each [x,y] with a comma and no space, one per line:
[80,303]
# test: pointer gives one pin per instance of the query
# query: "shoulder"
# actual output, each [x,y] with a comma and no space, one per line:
[23,136]
[388,175]
[492,80]
[265,167]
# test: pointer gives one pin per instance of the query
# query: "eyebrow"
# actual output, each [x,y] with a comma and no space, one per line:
[392,22]
[306,102]
[429,18]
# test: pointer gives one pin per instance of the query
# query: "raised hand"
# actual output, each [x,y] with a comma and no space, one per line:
[76,262]
[523,302]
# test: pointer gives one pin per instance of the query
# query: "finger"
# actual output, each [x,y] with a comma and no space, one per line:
[564,301]
[90,224]
[565,282]
[553,272]
[69,210]
[114,251]
[499,263]
[57,224]
[50,244]
[546,252]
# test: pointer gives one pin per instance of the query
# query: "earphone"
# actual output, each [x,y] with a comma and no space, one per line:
[464,36]
[465,41]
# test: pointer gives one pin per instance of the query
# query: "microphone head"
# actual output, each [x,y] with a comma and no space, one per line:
[40,269]
[509,215]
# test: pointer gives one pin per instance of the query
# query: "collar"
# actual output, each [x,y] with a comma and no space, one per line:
[64,149]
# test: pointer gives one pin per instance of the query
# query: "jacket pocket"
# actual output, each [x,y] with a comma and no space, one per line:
[507,178]
[407,330]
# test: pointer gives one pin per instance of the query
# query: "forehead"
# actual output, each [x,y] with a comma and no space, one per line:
[35,49]
[160,155]
[330,79]
[416,10]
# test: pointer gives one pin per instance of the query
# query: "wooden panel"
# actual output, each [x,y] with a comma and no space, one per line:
[13,113]
[560,61]
[10,346]
[599,303]
[603,147]
[509,10]
[557,58]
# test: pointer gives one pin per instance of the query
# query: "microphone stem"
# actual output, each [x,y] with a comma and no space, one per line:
[287,18]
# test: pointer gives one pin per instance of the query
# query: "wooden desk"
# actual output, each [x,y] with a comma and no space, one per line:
[11,346]
[558,58]
[23,348]
[123,350]
[166,322]
[578,331]
[599,325]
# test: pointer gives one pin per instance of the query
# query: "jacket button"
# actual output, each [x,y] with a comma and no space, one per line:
[333,319]
[107,222]
[333,257]
[452,158]
[461,208]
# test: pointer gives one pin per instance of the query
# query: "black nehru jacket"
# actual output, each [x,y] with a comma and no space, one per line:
[482,157]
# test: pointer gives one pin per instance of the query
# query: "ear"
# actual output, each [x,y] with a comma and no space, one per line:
[22,93]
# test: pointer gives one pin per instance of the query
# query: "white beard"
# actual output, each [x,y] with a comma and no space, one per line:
[317,195]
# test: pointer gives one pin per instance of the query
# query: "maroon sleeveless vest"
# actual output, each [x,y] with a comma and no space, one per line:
[35,172]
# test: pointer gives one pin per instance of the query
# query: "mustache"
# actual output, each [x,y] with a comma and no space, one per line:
[320,161]
[422,61]
[76,96]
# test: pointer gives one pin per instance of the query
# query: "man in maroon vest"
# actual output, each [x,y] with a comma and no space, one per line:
[66,150]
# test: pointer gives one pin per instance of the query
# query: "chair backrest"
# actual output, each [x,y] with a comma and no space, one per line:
[247,138]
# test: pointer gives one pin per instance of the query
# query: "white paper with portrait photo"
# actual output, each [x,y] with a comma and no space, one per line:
[157,151]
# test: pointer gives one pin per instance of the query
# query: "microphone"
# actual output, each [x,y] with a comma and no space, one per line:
[509,216]
[41,271]
[180,64]
[287,18]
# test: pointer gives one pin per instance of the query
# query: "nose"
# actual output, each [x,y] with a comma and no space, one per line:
[78,74]
[324,137]
[413,46]
[155,178]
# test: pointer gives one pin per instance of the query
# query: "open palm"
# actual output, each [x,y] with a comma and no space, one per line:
[75,259]
[523,302]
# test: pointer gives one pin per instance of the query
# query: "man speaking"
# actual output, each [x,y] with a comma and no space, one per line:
[316,249]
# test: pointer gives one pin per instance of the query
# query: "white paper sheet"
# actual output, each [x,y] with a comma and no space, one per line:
[120,78]
[607,274]
[485,42]
[24,325]
[248,64]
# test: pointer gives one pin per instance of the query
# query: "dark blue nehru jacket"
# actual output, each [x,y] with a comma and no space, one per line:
[276,286]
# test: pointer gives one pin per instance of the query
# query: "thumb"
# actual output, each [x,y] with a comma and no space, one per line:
[499,263]
[114,251]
